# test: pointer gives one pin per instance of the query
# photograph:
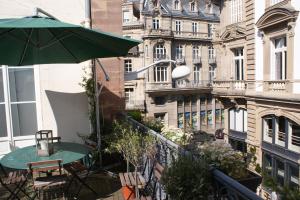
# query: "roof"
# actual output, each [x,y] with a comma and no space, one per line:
[166,9]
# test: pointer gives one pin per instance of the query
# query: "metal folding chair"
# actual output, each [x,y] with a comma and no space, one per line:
[14,182]
[80,172]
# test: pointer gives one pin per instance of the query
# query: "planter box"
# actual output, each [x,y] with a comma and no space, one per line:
[251,182]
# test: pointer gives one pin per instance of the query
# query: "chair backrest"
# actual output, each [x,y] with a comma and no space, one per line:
[56,139]
[45,166]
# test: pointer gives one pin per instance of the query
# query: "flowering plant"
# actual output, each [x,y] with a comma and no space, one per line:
[177,135]
[223,157]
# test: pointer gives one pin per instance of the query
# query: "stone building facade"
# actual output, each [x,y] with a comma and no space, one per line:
[258,82]
[181,31]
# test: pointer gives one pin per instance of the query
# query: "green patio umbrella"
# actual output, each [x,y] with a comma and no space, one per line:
[44,40]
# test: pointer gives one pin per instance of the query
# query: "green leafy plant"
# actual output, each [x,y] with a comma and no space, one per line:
[136,115]
[88,84]
[187,178]
[131,143]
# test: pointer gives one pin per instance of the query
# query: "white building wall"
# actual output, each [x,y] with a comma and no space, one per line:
[259,60]
[296,5]
[62,103]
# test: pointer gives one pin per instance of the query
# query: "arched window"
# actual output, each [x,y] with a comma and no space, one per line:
[159,52]
[282,131]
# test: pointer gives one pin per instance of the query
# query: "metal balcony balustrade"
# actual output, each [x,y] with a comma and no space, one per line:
[159,56]
[196,60]
[224,186]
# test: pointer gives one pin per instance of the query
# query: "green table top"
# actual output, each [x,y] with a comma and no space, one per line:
[66,151]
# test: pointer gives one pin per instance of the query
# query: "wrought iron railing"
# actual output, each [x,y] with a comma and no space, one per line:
[225,188]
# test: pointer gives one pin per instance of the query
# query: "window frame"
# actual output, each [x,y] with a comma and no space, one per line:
[160,74]
[238,61]
[236,11]
[283,51]
[127,65]
[178,26]
[155,24]
[8,102]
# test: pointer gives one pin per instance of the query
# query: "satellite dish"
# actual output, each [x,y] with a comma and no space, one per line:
[180,72]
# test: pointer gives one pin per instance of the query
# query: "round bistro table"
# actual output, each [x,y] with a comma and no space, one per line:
[65,151]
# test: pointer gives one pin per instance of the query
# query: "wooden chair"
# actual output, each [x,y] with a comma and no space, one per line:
[80,172]
[48,185]
[14,182]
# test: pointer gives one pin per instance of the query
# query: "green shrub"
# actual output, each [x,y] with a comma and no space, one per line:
[187,179]
[136,115]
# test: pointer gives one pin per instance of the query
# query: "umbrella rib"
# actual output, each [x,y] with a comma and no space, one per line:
[77,60]
[91,41]
[54,40]
[26,46]
[5,32]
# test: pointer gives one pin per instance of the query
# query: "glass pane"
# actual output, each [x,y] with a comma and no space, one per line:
[203,118]
[209,117]
[24,119]
[1,87]
[294,177]
[295,134]
[21,84]
[187,118]
[267,164]
[180,120]
[3,127]
[280,172]
[194,119]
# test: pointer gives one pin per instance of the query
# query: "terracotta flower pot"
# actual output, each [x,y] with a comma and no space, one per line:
[128,192]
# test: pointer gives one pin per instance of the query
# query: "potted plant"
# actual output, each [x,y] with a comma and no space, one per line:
[231,162]
[187,178]
[133,145]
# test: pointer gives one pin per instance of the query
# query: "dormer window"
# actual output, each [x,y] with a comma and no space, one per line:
[193,7]
[176,5]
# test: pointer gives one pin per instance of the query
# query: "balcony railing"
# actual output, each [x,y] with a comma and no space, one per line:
[192,84]
[192,35]
[196,60]
[135,104]
[212,60]
[278,86]
[159,32]
[296,140]
[224,187]
[180,59]
[157,57]
[230,87]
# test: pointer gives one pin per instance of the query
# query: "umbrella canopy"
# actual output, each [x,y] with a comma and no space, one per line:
[42,40]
